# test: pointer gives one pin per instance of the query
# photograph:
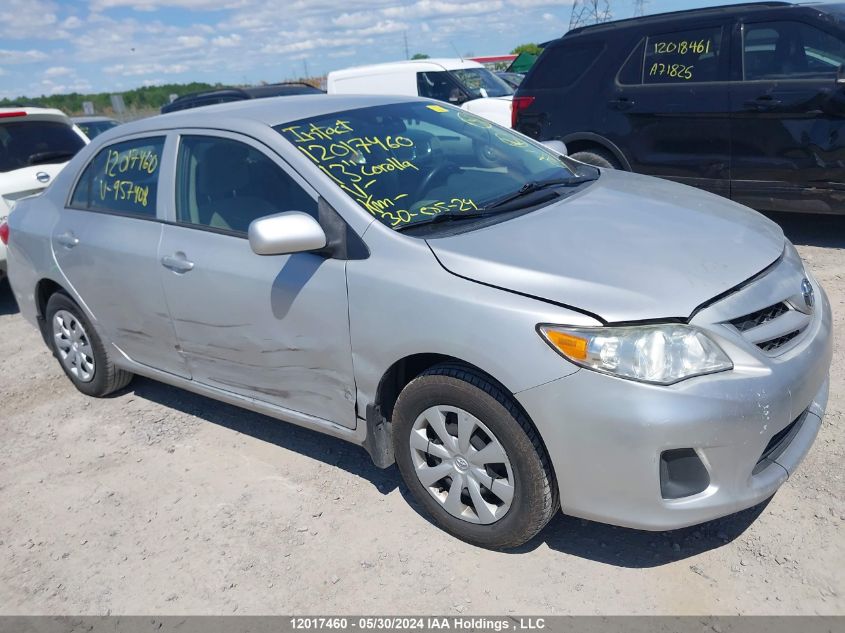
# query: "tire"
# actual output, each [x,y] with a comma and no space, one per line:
[448,391]
[598,158]
[95,375]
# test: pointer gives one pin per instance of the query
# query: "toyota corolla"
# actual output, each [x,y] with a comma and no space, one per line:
[517,331]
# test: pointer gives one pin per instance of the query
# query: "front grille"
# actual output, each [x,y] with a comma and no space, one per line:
[776,343]
[779,442]
[749,321]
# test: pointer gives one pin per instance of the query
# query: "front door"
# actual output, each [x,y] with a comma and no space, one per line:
[273,328]
[106,245]
[787,121]
[669,109]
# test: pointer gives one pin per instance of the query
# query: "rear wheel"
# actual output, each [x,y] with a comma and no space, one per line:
[597,157]
[471,458]
[79,349]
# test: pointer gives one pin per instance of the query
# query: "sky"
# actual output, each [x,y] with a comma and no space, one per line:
[59,46]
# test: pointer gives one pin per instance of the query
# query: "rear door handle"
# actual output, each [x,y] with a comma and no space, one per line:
[68,239]
[177,263]
[622,103]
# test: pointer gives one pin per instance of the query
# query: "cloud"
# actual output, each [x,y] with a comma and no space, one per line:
[58,71]
[191,41]
[227,41]
[21,57]
[20,19]
[130,70]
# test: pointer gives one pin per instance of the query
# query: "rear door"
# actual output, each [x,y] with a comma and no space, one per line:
[272,328]
[670,109]
[106,245]
[788,111]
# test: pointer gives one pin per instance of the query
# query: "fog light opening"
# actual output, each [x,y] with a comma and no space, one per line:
[682,474]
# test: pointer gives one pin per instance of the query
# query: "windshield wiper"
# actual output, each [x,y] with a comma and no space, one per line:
[446,217]
[46,157]
[533,186]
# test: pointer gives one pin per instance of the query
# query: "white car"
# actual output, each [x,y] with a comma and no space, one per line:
[457,81]
[35,143]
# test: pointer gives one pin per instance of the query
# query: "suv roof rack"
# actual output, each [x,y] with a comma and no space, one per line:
[724,8]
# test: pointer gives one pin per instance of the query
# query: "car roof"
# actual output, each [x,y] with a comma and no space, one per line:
[671,16]
[270,111]
[34,114]
[90,119]
[415,65]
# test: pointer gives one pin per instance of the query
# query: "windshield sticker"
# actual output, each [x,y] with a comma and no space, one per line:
[403,169]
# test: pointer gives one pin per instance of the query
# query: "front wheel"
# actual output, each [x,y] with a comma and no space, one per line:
[470,457]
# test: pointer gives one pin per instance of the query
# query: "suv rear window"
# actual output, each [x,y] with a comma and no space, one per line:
[683,56]
[561,66]
[24,143]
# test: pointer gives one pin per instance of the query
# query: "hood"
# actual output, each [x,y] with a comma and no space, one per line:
[496,109]
[625,248]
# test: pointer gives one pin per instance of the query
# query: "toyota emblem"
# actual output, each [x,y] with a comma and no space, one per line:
[807,291]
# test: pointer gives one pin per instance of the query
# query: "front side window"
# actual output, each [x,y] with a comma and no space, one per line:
[790,50]
[683,57]
[225,184]
[122,178]
[27,142]
[409,163]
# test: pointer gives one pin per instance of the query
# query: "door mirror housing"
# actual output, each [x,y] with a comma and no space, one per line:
[286,233]
[559,147]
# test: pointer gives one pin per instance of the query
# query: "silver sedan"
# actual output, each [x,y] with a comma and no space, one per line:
[518,331]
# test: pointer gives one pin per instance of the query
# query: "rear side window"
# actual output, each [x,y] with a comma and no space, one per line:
[24,143]
[790,50]
[122,178]
[561,66]
[683,57]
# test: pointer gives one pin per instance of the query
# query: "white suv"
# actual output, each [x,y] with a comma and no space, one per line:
[35,143]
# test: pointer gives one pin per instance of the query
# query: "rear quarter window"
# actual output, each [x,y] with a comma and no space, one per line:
[122,178]
[562,66]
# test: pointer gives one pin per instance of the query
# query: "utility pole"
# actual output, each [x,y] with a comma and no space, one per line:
[305,63]
[586,12]
[405,36]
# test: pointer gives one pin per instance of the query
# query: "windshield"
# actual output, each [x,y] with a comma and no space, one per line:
[474,79]
[406,163]
[24,143]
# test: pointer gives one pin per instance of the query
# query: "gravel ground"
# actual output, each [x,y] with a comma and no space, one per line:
[160,501]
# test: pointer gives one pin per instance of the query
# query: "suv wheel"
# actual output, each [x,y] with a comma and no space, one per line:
[598,158]
[80,351]
[471,458]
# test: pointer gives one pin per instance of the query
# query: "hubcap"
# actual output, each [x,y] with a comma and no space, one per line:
[462,464]
[73,346]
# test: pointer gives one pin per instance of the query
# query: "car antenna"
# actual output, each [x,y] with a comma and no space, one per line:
[454,48]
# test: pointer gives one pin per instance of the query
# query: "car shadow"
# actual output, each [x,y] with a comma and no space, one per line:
[812,230]
[639,549]
[325,448]
[8,305]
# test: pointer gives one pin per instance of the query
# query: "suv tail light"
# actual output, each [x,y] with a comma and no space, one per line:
[4,232]
[518,104]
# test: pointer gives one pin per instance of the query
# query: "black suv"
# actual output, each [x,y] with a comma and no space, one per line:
[225,95]
[747,101]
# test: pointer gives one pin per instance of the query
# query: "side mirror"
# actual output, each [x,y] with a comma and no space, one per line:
[558,147]
[286,233]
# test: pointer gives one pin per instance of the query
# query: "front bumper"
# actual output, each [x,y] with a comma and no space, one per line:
[605,435]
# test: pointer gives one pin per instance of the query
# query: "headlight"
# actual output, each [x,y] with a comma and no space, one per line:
[660,354]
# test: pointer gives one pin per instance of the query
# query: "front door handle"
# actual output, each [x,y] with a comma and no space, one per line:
[763,102]
[68,239]
[622,103]
[177,262]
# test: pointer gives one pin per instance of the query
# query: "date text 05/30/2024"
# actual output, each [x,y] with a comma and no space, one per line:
[449,623]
